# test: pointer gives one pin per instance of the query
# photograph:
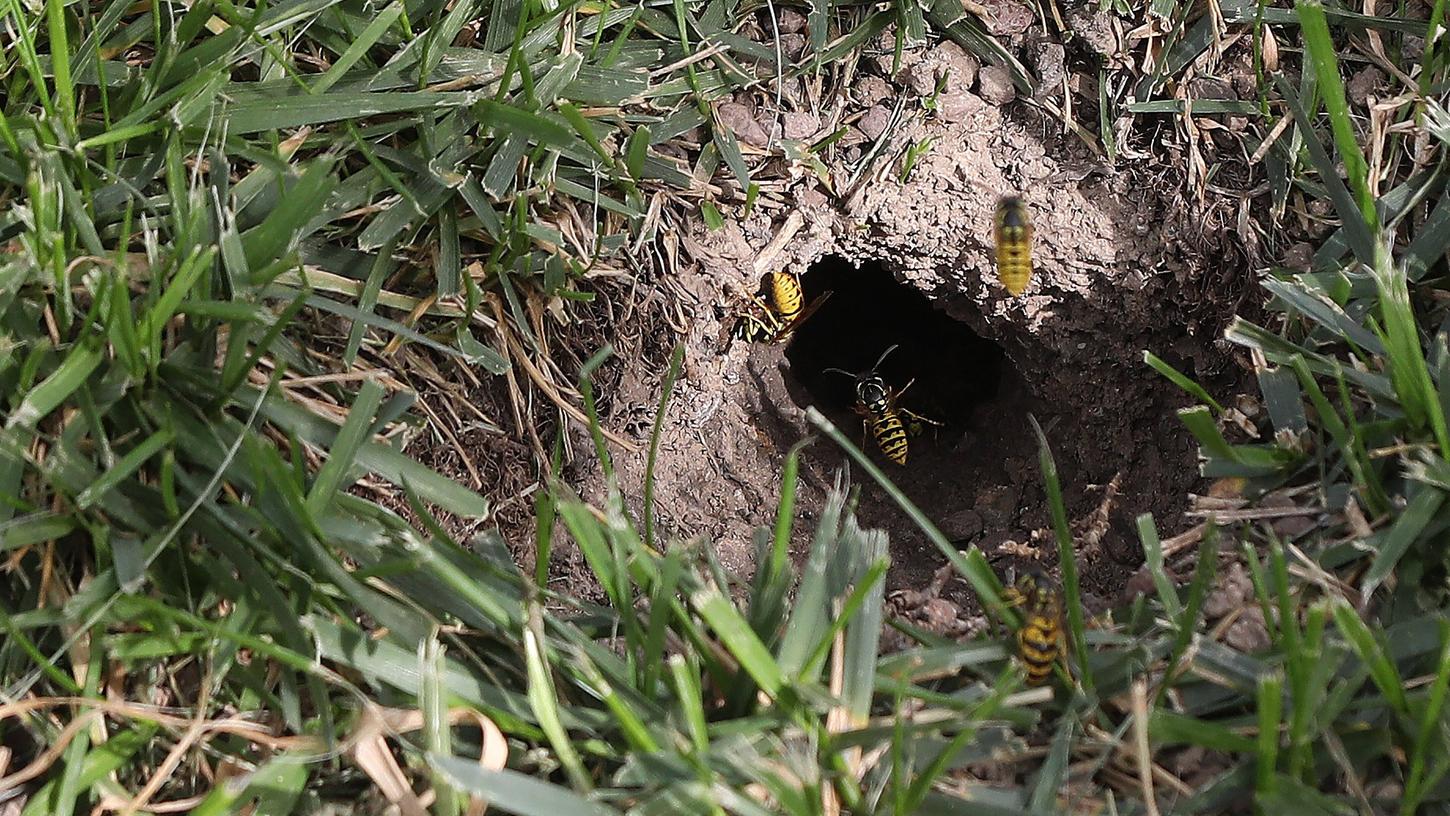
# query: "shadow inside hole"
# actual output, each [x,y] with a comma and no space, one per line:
[951,370]
[974,477]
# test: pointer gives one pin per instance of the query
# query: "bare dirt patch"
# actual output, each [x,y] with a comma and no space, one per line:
[1123,264]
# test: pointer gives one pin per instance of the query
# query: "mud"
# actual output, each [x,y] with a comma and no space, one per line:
[1122,264]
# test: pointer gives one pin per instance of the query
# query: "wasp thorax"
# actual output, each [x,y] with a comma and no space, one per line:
[871,391]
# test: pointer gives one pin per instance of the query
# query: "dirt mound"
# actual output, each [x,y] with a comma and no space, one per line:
[1120,267]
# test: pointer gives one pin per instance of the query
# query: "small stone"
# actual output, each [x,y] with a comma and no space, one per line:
[887,64]
[1095,29]
[741,122]
[1299,256]
[1249,634]
[1412,48]
[995,85]
[959,107]
[1211,88]
[962,525]
[874,123]
[1278,499]
[793,45]
[958,65]
[939,615]
[1229,595]
[921,78]
[1364,84]
[1140,583]
[1049,59]
[812,199]
[1009,18]
[997,505]
[870,90]
[1294,526]
[791,21]
[799,124]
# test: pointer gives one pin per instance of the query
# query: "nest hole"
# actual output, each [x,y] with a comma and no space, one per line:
[951,371]
[975,476]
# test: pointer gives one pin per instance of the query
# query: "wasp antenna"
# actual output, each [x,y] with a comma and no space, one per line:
[840,371]
[882,358]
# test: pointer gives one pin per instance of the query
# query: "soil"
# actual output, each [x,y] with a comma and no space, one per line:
[1122,263]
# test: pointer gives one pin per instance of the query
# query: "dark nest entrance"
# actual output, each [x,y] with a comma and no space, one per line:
[967,475]
[951,370]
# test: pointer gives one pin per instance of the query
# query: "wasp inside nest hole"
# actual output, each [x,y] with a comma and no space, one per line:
[948,372]
[972,474]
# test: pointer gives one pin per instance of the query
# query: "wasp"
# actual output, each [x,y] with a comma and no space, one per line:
[876,403]
[1040,641]
[780,306]
[1012,229]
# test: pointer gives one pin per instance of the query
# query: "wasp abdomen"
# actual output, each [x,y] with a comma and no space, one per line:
[890,436]
[1040,640]
[1013,233]
[785,295]
[1039,644]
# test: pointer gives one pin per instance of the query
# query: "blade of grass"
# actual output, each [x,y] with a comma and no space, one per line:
[984,582]
[515,792]
[1181,380]
[1324,59]
[1066,555]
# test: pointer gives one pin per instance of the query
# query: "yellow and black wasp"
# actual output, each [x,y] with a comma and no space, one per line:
[1012,228]
[1040,640]
[779,306]
[876,403]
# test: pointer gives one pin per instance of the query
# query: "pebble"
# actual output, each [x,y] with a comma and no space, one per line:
[799,124]
[741,122]
[995,85]
[874,123]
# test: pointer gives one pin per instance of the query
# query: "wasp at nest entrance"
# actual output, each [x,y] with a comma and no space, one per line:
[939,408]
[876,353]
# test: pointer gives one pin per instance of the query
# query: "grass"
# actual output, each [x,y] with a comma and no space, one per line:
[240,241]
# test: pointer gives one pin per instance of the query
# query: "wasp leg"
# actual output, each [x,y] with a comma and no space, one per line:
[751,328]
[916,423]
[759,324]
[917,420]
[896,395]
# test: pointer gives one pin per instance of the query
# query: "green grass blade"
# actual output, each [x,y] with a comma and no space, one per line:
[1374,656]
[740,640]
[1424,506]
[55,389]
[984,582]
[1324,59]
[514,792]
[1181,380]
[1066,555]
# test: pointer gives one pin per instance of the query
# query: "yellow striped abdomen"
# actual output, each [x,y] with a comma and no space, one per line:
[1039,643]
[786,297]
[1013,233]
[890,435]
